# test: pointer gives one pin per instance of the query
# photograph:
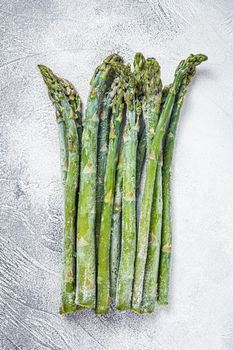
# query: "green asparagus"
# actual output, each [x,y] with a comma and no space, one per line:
[102,151]
[153,155]
[86,259]
[61,102]
[164,265]
[153,253]
[128,243]
[151,109]
[103,279]
[129,121]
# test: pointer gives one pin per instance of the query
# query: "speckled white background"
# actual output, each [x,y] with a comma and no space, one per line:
[72,37]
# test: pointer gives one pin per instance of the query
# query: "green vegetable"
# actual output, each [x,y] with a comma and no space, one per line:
[151,109]
[102,151]
[86,259]
[65,111]
[164,265]
[103,279]
[128,243]
[129,121]
[153,253]
[153,155]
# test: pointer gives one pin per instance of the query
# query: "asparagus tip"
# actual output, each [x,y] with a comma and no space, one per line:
[139,61]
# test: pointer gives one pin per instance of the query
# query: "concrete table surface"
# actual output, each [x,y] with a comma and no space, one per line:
[72,37]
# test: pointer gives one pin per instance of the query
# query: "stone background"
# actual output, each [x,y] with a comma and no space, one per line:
[72,37]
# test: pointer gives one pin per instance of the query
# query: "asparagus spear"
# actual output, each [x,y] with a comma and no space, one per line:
[103,279]
[128,246]
[153,253]
[116,226]
[165,254]
[151,109]
[153,155]
[85,271]
[102,151]
[61,102]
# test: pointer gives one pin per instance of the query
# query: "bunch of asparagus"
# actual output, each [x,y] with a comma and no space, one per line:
[117,247]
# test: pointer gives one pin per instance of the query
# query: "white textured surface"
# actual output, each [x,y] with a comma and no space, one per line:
[72,37]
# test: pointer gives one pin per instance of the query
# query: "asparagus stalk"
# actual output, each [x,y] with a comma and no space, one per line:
[128,246]
[151,109]
[153,253]
[86,271]
[102,151]
[128,243]
[153,155]
[165,254]
[103,279]
[116,226]
[61,102]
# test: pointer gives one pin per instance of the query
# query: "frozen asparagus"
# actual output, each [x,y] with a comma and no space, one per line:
[102,151]
[86,255]
[151,109]
[153,253]
[103,278]
[61,102]
[153,155]
[128,242]
[164,265]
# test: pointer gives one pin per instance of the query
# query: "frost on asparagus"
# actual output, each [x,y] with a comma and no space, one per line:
[153,155]
[103,278]
[128,242]
[128,261]
[70,141]
[164,266]
[86,252]
[154,242]
[102,151]
[151,108]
